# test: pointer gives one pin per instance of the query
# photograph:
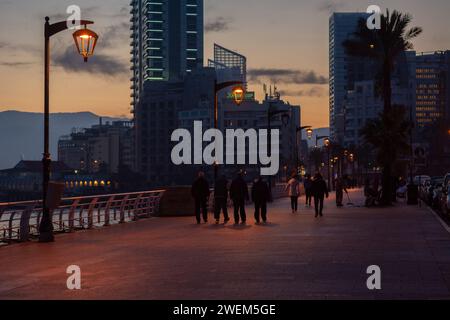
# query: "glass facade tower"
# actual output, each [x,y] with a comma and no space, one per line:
[344,70]
[166,41]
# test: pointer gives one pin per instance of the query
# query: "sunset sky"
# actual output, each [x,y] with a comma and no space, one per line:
[285,41]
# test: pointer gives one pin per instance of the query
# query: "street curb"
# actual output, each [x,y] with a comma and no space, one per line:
[446,227]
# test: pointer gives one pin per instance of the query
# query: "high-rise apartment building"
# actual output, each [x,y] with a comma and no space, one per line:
[344,69]
[166,41]
[433,87]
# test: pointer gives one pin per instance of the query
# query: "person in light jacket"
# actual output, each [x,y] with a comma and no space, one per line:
[293,188]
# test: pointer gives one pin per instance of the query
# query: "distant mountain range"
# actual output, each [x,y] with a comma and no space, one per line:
[21,133]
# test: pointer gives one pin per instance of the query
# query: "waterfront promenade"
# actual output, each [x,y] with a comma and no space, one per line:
[293,257]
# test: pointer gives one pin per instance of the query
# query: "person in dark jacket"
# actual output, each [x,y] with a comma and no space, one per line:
[340,189]
[221,199]
[260,197]
[319,191]
[308,192]
[239,194]
[200,193]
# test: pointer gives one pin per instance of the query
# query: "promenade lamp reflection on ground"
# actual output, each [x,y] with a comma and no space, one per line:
[238,96]
[86,41]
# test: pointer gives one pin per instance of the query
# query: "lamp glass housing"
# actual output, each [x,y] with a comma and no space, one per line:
[85,40]
[238,95]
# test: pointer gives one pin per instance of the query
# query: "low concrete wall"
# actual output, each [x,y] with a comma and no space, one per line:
[177,202]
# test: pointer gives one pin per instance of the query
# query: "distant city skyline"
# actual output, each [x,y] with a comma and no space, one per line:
[288,47]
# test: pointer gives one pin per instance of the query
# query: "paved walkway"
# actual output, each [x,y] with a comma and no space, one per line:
[294,257]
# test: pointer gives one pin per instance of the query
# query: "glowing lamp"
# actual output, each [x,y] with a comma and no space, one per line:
[309,133]
[85,41]
[238,95]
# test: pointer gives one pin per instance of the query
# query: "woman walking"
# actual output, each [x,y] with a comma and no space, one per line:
[293,187]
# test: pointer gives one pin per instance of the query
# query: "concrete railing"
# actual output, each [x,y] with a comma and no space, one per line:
[19,221]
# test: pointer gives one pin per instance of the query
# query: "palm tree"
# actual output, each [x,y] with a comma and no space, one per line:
[384,46]
[389,136]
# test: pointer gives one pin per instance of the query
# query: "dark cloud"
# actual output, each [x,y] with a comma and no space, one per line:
[286,76]
[12,47]
[86,13]
[313,92]
[99,64]
[330,6]
[220,24]
[115,34]
[16,64]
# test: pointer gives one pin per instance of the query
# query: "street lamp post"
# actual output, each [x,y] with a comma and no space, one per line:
[318,138]
[328,146]
[85,41]
[271,113]
[299,130]
[327,143]
[239,96]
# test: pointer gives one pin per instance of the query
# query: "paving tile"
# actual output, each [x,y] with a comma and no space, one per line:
[295,257]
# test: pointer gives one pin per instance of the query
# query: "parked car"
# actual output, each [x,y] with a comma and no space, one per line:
[445,199]
[447,179]
[431,190]
[420,180]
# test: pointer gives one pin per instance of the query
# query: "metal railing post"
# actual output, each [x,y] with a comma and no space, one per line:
[122,208]
[24,231]
[136,207]
[91,213]
[108,206]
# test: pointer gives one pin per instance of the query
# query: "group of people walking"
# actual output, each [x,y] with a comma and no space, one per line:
[238,193]
[315,188]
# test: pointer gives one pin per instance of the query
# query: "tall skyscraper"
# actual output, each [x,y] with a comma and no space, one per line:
[433,87]
[344,69]
[167,41]
[167,49]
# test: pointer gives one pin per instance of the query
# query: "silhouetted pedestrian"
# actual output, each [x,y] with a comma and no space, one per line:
[308,189]
[293,188]
[319,191]
[260,196]
[200,193]
[340,189]
[239,194]
[221,199]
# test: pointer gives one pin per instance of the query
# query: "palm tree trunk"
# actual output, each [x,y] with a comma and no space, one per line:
[387,86]
[386,198]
